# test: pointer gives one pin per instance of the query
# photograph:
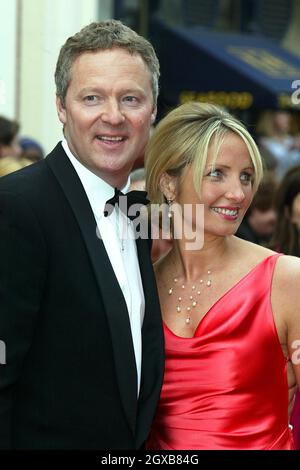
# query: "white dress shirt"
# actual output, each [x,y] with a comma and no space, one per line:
[116,232]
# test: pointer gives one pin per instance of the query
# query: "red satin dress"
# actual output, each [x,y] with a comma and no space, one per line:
[295,420]
[226,387]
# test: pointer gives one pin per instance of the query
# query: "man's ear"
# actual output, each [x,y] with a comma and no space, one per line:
[168,186]
[153,115]
[61,110]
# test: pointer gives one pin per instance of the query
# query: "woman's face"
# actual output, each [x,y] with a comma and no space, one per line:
[295,217]
[282,121]
[227,188]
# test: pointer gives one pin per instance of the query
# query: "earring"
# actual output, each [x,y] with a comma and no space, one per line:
[170,202]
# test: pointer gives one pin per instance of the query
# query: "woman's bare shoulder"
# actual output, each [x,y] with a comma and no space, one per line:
[288,270]
[287,267]
[285,288]
[249,250]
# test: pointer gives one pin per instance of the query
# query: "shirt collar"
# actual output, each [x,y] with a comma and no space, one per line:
[97,190]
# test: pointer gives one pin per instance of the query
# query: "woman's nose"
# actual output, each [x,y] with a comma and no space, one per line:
[235,192]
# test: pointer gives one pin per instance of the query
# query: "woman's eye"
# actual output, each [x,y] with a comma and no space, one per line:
[246,178]
[215,173]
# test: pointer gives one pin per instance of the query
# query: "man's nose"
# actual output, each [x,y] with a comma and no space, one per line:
[111,113]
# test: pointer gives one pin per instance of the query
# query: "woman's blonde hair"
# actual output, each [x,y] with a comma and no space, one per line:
[183,138]
[10,164]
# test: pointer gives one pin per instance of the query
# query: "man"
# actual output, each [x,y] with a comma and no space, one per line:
[80,316]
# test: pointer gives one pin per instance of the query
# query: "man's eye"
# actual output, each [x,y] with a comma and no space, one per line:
[91,98]
[130,99]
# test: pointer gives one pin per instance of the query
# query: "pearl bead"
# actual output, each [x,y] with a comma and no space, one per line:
[188,297]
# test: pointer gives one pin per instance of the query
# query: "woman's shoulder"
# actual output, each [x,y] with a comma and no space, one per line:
[286,282]
[251,250]
[288,269]
[286,293]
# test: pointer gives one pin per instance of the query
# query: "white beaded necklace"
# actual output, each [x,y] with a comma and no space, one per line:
[192,297]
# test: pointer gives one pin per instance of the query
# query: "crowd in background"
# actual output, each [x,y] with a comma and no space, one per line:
[16,152]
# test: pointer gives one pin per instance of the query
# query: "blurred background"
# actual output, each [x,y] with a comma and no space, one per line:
[242,54]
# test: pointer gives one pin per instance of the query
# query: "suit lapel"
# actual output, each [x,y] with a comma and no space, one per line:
[153,346]
[114,302]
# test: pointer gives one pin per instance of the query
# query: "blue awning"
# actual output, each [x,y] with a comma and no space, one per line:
[238,71]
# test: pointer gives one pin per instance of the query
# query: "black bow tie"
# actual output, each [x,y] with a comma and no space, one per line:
[133,197]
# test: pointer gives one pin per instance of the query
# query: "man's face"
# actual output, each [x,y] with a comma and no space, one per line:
[108,112]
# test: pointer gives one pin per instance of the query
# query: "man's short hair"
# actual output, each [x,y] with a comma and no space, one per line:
[99,36]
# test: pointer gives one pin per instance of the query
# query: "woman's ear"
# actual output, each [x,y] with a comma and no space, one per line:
[168,186]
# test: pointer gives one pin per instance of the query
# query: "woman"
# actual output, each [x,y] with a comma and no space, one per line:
[286,236]
[286,239]
[229,308]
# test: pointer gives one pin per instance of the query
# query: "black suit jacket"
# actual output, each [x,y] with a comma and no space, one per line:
[70,380]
